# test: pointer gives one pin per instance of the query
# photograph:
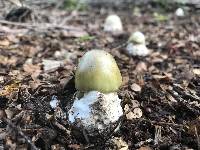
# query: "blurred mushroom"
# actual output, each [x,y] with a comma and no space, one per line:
[180,12]
[113,24]
[136,45]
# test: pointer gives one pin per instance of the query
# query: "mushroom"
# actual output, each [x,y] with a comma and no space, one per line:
[98,78]
[180,12]
[136,45]
[113,24]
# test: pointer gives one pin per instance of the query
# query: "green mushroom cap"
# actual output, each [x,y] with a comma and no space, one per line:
[97,71]
[137,38]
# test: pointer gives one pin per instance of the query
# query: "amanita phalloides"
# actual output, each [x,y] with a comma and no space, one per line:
[98,78]
[113,24]
[136,45]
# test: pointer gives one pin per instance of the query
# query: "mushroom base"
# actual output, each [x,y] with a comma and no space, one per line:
[137,50]
[84,136]
[95,111]
[117,29]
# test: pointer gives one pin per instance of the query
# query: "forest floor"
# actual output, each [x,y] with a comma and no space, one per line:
[38,56]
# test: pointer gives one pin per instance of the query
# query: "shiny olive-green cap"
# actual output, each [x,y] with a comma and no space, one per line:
[97,71]
[137,38]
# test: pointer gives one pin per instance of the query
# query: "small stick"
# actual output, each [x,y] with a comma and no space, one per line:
[40,26]
[27,139]
[157,134]
[61,127]
[120,46]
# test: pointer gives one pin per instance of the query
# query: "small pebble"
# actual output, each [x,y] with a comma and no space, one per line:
[148,110]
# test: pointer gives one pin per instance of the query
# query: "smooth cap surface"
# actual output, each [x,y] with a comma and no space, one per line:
[113,24]
[97,71]
[137,38]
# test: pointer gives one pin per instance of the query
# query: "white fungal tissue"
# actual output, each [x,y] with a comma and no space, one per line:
[96,110]
[137,49]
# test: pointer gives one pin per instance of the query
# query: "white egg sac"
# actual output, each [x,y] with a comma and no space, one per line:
[95,110]
[137,49]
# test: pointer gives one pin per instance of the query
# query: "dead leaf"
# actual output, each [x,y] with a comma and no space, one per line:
[74,33]
[119,143]
[4,42]
[74,146]
[33,70]
[145,148]
[196,71]
[9,89]
[137,113]
[51,64]
[141,66]
[135,87]
[8,61]
[194,126]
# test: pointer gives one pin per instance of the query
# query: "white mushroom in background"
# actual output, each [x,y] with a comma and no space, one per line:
[98,78]
[136,45]
[180,12]
[113,24]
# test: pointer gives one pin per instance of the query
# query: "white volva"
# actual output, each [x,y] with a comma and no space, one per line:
[137,49]
[136,45]
[113,24]
[96,110]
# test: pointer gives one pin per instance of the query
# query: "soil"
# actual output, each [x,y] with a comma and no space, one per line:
[38,57]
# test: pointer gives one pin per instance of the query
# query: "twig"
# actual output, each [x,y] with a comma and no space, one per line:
[118,123]
[16,2]
[120,46]
[61,127]
[3,74]
[186,94]
[183,101]
[139,144]
[41,26]
[18,116]
[19,131]
[160,123]
[86,136]
[157,134]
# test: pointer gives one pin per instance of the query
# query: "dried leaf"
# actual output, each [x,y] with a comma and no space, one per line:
[33,70]
[51,64]
[9,89]
[196,71]
[137,113]
[141,66]
[4,42]
[135,87]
